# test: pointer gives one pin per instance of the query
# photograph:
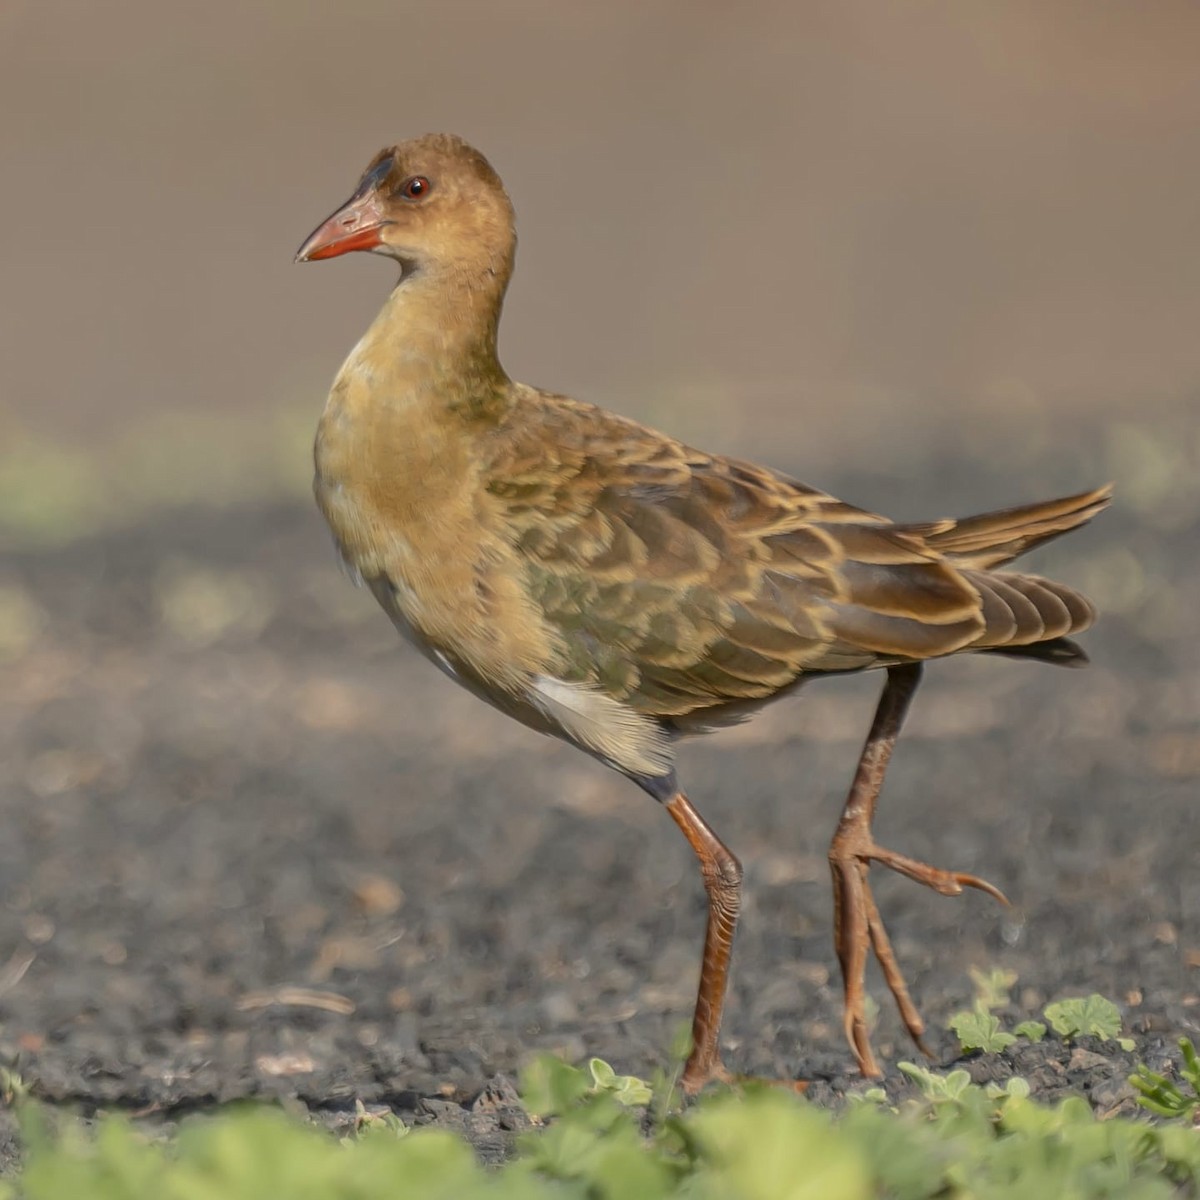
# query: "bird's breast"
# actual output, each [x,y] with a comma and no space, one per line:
[402,490]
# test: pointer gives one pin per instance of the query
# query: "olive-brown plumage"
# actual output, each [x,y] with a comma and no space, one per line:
[610,585]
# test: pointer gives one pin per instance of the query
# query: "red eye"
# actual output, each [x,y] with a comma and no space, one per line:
[415,188]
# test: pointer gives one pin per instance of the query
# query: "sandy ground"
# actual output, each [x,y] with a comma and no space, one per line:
[936,258]
[254,846]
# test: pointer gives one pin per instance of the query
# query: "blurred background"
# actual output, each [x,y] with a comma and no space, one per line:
[937,257]
[804,228]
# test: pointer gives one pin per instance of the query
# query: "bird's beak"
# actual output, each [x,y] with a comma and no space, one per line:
[355,226]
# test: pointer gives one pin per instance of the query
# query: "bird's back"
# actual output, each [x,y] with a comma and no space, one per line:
[683,583]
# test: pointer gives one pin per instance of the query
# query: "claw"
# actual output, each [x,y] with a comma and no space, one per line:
[947,883]
[982,885]
[858,925]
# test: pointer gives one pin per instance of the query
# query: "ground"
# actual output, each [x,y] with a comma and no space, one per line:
[256,847]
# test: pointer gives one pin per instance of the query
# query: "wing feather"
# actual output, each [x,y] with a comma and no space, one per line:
[681,582]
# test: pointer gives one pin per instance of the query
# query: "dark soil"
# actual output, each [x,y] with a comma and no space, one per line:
[253,846]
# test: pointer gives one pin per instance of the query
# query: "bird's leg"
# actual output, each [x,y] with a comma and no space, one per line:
[857,924]
[723,883]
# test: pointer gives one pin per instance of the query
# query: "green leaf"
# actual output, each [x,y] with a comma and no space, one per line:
[980,1030]
[13,1089]
[1164,1096]
[962,1140]
[992,987]
[1033,1030]
[937,1087]
[550,1086]
[870,1096]
[1191,1064]
[905,1158]
[681,1043]
[1015,1088]
[603,1075]
[770,1145]
[627,1089]
[1094,1016]
[599,1147]
[633,1092]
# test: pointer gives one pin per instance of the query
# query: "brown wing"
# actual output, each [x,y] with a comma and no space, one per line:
[678,581]
[998,537]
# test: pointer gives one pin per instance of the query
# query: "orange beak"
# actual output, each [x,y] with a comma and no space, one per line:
[355,226]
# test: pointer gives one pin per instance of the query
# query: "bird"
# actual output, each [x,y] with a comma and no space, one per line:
[609,585]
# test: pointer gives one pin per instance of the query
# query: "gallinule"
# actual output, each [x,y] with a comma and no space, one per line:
[605,583]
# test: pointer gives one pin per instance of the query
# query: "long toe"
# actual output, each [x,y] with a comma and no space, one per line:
[859,928]
[697,1076]
[853,908]
[948,883]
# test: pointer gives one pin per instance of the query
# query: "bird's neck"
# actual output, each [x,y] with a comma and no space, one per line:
[433,344]
[395,436]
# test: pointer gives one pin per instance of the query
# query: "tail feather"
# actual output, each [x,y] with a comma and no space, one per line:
[1062,652]
[1024,614]
[989,540]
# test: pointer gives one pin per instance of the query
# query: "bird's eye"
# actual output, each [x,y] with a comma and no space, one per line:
[416,188]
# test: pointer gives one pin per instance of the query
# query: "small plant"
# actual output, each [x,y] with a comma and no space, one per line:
[550,1086]
[770,1145]
[991,987]
[372,1124]
[938,1088]
[1091,1017]
[977,1028]
[1015,1088]
[13,1089]
[876,1096]
[980,1031]
[1164,1096]
[665,1083]
[960,1140]
[628,1090]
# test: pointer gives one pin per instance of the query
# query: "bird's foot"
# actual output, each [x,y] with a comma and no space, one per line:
[697,1076]
[858,925]
[701,1070]
[948,883]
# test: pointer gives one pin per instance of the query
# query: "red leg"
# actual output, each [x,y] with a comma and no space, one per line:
[857,924]
[723,882]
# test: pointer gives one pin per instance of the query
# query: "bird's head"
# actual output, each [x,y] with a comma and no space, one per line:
[433,203]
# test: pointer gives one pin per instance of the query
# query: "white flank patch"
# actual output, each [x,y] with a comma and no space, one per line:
[446,665]
[350,571]
[606,727]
